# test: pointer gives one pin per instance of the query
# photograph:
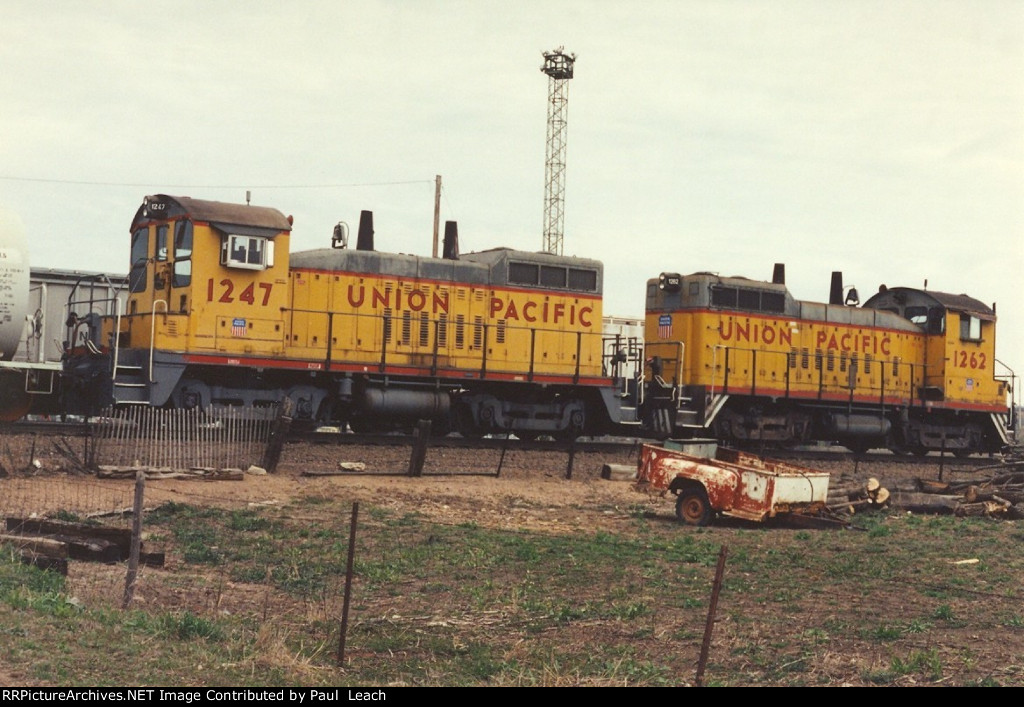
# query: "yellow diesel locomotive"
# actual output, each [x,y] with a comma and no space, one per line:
[220,311]
[741,360]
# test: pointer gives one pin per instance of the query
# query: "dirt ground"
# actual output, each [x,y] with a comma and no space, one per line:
[525,490]
[529,491]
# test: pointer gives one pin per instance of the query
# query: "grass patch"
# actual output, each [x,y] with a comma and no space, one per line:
[253,598]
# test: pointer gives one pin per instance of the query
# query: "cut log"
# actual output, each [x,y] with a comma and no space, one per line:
[930,486]
[982,508]
[1013,494]
[924,502]
[849,507]
[618,472]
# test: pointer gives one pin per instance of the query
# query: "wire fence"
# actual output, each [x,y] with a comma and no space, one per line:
[215,555]
[215,437]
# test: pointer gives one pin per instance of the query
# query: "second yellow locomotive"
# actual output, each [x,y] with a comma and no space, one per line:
[912,370]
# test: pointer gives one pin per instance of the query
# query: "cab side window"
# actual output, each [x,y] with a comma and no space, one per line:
[182,254]
[970,328]
[139,257]
[247,252]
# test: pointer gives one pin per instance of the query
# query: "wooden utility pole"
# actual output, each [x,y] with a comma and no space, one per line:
[437,210]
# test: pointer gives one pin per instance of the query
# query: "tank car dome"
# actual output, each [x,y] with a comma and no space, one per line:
[14,283]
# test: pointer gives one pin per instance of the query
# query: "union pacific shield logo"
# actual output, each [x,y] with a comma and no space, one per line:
[665,326]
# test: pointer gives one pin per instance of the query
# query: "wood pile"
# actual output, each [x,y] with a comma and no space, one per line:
[852,498]
[49,544]
[998,495]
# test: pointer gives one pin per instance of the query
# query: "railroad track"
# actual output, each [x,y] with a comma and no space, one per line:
[611,445]
[55,428]
[624,444]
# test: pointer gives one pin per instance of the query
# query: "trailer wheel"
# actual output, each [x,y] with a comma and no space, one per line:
[693,507]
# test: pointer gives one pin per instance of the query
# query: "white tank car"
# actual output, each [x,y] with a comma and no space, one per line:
[14,283]
[14,286]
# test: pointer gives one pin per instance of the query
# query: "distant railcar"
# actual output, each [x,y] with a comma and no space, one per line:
[34,306]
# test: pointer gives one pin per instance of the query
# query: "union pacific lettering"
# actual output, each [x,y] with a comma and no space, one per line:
[416,300]
[437,302]
[780,333]
[756,332]
[546,312]
[850,341]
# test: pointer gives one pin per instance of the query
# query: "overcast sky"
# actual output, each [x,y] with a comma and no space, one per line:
[883,139]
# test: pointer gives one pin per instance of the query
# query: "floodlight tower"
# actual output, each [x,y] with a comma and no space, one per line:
[558,66]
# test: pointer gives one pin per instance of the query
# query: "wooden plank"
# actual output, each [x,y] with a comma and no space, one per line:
[53,564]
[38,545]
[42,526]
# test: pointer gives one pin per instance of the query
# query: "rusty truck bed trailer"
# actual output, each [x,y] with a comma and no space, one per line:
[731,483]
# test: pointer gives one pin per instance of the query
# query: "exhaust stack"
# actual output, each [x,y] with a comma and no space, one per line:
[779,274]
[364,241]
[451,241]
[835,295]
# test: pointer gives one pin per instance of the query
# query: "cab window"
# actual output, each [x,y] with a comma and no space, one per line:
[917,315]
[182,255]
[970,328]
[247,252]
[139,256]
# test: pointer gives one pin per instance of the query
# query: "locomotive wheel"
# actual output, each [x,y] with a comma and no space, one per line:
[360,424]
[693,507]
[857,447]
[465,425]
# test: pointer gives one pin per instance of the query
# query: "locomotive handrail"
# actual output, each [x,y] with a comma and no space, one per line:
[116,336]
[39,324]
[676,380]
[478,342]
[152,335]
[714,365]
[579,348]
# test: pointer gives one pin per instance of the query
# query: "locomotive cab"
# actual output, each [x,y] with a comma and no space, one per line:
[958,380]
[204,277]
